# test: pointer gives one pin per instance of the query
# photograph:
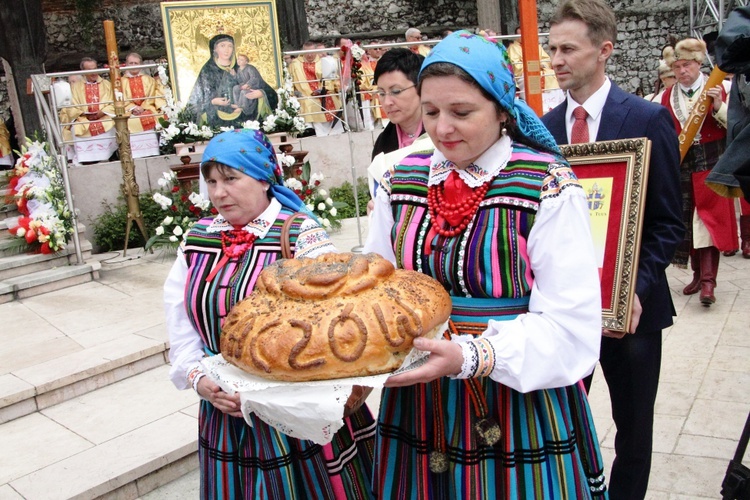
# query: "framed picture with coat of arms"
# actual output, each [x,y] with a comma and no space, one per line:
[225,58]
[614,175]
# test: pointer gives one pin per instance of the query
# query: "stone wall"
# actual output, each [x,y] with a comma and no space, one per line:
[643,29]
[4,101]
[327,17]
[138,28]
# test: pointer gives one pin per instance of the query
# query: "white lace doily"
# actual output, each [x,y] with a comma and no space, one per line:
[304,410]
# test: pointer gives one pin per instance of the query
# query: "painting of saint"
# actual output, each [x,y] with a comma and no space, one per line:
[226,92]
[224,58]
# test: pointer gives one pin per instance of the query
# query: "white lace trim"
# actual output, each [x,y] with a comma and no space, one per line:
[485,168]
[471,361]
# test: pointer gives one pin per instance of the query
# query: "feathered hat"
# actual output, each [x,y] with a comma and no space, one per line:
[689,49]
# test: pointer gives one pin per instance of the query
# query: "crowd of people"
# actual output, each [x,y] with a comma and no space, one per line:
[477,195]
[229,89]
[472,190]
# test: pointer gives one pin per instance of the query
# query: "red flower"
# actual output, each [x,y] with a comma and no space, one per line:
[214,211]
[303,182]
[175,189]
[30,236]
[43,230]
[317,183]
[45,248]
[184,198]
[298,171]
[174,208]
[22,206]
[308,192]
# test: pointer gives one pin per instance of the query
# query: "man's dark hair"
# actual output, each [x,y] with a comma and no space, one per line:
[403,60]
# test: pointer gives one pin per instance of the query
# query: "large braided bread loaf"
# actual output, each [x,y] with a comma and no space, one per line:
[339,315]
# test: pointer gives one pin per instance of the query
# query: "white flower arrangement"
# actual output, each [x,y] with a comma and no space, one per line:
[285,160]
[357,52]
[36,186]
[285,118]
[184,209]
[315,198]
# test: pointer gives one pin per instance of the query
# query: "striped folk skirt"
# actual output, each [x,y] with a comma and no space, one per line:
[238,461]
[441,440]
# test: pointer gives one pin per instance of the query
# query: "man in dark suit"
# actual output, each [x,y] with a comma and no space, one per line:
[582,33]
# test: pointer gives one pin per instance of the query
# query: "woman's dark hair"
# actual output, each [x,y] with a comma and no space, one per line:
[403,60]
[223,170]
[448,69]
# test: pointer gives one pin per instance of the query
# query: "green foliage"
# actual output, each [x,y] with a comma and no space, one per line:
[109,227]
[345,194]
[85,12]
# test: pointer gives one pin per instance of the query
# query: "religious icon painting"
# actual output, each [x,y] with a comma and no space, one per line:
[614,175]
[224,58]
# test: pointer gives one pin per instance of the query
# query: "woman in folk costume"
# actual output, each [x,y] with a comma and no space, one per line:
[217,267]
[497,216]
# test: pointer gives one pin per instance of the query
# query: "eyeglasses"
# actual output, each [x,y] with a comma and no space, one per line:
[393,93]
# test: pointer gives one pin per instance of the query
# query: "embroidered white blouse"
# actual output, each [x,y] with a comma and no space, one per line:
[557,342]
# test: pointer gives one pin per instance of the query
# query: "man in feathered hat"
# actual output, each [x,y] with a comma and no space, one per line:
[709,219]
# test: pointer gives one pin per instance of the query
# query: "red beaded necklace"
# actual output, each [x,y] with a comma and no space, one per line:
[236,242]
[437,205]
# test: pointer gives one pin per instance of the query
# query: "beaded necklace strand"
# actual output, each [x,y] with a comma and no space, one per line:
[234,244]
[467,207]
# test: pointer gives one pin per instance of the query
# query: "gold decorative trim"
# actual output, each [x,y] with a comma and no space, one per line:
[635,153]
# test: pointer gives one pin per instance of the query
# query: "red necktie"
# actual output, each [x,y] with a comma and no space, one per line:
[580,131]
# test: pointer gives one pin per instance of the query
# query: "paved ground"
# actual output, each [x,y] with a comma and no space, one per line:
[704,394]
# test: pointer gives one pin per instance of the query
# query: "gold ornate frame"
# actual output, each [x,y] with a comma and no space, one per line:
[188,26]
[622,167]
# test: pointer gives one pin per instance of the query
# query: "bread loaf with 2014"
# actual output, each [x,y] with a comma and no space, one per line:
[335,316]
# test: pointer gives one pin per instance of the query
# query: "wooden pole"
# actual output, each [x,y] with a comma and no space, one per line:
[695,120]
[532,70]
[129,185]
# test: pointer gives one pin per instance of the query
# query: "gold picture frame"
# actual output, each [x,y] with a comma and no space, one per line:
[614,175]
[190,25]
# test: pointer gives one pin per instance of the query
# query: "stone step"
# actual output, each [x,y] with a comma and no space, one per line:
[22,264]
[7,210]
[39,282]
[30,388]
[119,441]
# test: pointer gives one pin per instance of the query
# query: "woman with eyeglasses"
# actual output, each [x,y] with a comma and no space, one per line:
[396,79]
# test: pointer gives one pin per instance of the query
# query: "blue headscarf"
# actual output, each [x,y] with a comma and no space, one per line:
[250,152]
[487,62]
